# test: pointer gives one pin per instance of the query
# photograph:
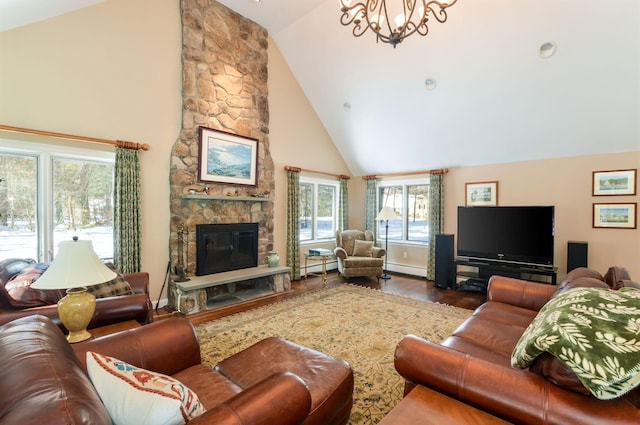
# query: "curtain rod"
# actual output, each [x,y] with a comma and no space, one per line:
[410,173]
[298,169]
[118,143]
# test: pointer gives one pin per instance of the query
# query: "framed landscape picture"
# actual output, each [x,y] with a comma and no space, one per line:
[618,182]
[615,216]
[481,193]
[227,158]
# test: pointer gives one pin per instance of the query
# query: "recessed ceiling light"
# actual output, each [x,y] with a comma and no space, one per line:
[430,83]
[547,49]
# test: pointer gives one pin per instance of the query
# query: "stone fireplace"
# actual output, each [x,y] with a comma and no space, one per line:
[224,87]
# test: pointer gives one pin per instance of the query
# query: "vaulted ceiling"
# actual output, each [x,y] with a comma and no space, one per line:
[495,98]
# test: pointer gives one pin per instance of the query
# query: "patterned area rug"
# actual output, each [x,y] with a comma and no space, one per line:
[359,325]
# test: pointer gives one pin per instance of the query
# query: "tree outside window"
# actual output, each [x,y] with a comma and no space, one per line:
[318,210]
[50,196]
[411,204]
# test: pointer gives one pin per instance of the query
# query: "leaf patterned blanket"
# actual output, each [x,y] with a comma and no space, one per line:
[596,332]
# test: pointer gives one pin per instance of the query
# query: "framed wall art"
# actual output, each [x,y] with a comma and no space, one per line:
[227,158]
[617,182]
[481,193]
[615,215]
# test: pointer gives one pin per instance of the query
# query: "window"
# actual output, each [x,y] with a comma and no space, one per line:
[318,209]
[49,194]
[410,201]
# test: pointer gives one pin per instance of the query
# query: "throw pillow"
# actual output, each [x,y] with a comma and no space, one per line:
[22,295]
[113,288]
[139,397]
[362,248]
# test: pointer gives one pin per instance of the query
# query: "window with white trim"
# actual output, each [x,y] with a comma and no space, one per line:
[51,193]
[318,209]
[410,201]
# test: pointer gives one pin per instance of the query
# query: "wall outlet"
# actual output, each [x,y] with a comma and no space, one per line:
[404,254]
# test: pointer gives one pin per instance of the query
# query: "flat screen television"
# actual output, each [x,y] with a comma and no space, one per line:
[510,234]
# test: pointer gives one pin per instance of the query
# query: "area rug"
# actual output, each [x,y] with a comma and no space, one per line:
[356,324]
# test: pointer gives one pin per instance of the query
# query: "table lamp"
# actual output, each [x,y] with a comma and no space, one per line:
[75,267]
[386,213]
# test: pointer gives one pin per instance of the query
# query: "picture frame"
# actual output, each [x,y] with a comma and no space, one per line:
[615,215]
[615,182]
[227,158]
[481,193]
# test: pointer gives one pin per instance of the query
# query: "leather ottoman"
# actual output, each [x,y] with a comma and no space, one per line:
[330,380]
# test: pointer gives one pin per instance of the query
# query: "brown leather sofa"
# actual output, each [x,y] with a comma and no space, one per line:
[136,306]
[44,379]
[473,364]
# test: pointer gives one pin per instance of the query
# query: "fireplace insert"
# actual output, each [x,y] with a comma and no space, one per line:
[225,247]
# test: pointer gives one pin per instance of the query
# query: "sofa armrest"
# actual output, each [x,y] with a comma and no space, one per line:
[167,346]
[518,292]
[281,399]
[139,282]
[108,311]
[377,252]
[340,253]
[516,395]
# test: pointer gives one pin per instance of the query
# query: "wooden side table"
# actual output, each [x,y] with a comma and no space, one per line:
[316,257]
[111,329]
[425,406]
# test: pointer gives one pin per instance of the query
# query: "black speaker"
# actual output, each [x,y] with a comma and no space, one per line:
[445,273]
[577,254]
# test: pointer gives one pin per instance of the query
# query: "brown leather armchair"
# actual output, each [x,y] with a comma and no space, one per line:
[43,381]
[109,310]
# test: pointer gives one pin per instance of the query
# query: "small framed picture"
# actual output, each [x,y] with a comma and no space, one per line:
[481,193]
[615,215]
[617,182]
[227,158]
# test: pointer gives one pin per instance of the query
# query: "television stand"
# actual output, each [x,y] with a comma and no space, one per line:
[473,275]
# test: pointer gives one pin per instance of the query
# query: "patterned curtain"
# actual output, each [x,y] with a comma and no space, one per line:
[370,207]
[126,211]
[343,206]
[293,222]
[436,219]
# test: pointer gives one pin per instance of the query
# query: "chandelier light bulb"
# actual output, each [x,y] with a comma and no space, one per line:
[400,21]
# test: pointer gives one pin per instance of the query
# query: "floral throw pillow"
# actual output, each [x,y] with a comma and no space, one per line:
[140,397]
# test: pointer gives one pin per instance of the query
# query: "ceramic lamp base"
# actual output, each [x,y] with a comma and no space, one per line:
[75,311]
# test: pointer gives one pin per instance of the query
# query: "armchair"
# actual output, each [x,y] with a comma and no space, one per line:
[357,255]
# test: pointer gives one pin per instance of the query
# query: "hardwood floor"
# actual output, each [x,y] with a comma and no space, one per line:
[399,284]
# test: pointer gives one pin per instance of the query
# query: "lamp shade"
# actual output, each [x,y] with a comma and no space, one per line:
[76,265]
[386,213]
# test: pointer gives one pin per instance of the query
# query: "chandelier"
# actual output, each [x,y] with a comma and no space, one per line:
[395,22]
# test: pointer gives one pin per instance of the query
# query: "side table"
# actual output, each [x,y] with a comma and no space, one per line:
[317,257]
[425,406]
[113,328]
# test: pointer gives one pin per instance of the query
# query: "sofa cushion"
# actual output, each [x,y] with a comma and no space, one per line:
[616,276]
[22,295]
[580,282]
[10,267]
[116,287]
[138,397]
[42,380]
[362,248]
[557,372]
